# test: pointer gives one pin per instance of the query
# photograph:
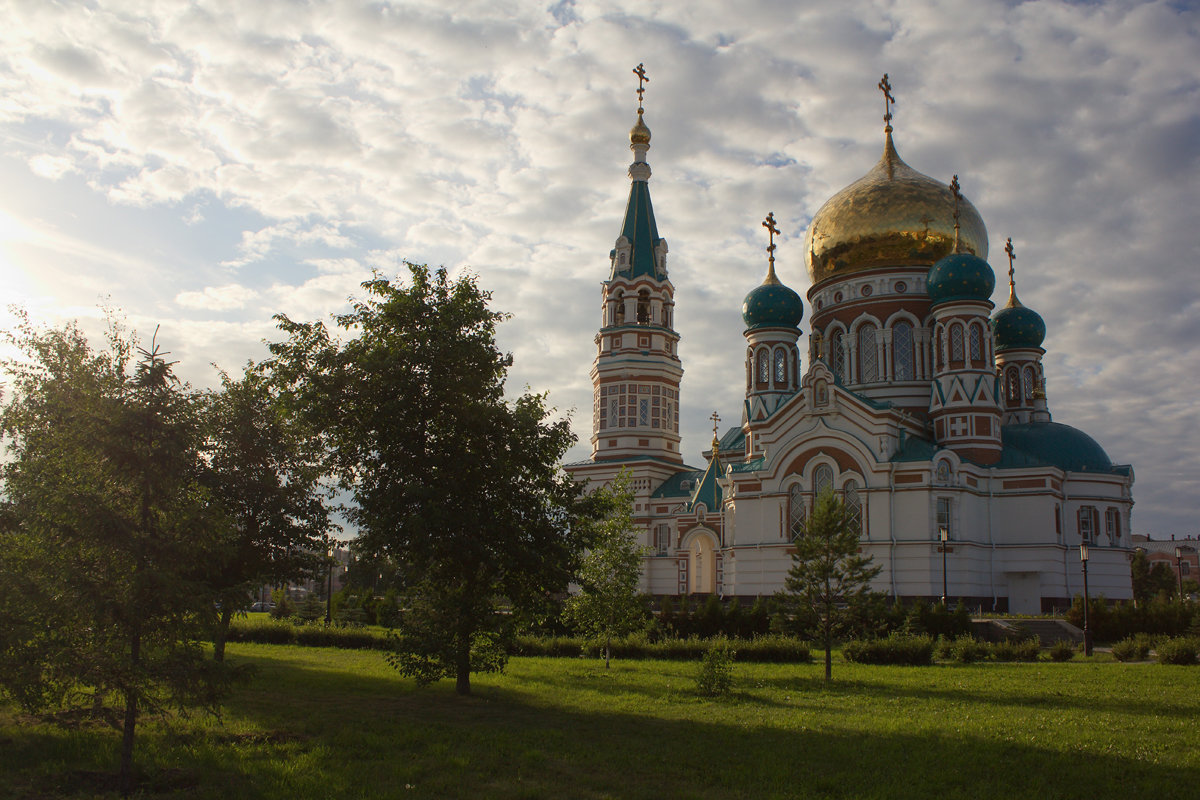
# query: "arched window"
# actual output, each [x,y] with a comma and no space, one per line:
[1028,384]
[976,345]
[837,354]
[853,505]
[780,368]
[764,366]
[796,516]
[620,308]
[643,307]
[868,358]
[956,343]
[943,472]
[902,351]
[1012,386]
[822,479]
[749,370]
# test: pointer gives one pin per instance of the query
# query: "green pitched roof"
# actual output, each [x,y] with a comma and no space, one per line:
[641,230]
[708,492]
[673,486]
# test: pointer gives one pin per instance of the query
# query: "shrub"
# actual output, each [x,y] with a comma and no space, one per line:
[1026,650]
[964,649]
[716,668]
[1133,648]
[283,605]
[1062,651]
[1181,650]
[265,632]
[895,649]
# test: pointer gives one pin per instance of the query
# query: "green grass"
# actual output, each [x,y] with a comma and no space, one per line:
[319,723]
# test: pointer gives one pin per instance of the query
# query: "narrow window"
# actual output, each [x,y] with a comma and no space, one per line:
[853,506]
[1087,523]
[902,351]
[1028,383]
[956,343]
[822,479]
[1112,525]
[837,355]
[1012,386]
[796,516]
[868,359]
[644,412]
[944,518]
[643,307]
[764,374]
[976,345]
[780,368]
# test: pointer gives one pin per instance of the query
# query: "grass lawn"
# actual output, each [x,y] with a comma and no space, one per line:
[320,723]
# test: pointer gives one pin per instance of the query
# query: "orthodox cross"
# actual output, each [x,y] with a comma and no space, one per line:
[769,224]
[640,71]
[716,418]
[1012,256]
[885,86]
[957,196]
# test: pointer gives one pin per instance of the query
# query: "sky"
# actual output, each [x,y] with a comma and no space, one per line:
[204,166]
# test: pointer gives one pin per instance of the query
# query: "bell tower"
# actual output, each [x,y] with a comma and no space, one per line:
[636,374]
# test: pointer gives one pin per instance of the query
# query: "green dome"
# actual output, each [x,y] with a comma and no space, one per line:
[1053,444]
[772,305]
[960,276]
[1016,326]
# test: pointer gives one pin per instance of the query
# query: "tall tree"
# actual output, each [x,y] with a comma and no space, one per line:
[829,578]
[104,528]
[263,471]
[447,478]
[607,603]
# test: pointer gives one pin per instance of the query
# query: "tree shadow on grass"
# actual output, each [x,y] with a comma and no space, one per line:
[526,736]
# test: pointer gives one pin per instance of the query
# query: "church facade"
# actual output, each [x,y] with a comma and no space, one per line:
[912,397]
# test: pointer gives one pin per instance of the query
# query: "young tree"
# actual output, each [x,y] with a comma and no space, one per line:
[829,577]
[104,527]
[263,472]
[448,478]
[607,603]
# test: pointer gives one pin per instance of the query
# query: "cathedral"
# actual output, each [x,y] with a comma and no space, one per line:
[913,397]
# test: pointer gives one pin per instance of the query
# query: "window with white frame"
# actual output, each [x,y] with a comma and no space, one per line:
[796,515]
[780,368]
[976,344]
[853,505]
[1112,525]
[956,343]
[662,538]
[1089,520]
[868,358]
[902,351]
[822,479]
[764,374]
[945,517]
[837,354]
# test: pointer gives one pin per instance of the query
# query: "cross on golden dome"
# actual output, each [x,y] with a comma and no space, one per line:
[640,71]
[716,418]
[885,86]
[1012,273]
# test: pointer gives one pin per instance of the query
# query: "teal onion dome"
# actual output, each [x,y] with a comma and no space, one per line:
[772,305]
[1015,327]
[960,276]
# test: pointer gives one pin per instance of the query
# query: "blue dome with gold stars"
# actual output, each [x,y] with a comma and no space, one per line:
[960,276]
[1015,327]
[772,305]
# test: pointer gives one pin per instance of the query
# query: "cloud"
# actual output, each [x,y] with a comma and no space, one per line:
[298,146]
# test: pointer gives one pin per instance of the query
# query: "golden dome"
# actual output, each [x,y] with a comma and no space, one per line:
[639,133]
[892,216]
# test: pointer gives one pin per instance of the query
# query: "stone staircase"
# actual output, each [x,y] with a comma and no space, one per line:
[1047,631]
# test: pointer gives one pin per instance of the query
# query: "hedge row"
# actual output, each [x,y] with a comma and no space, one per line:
[281,632]
[898,648]
[761,649]
[1182,650]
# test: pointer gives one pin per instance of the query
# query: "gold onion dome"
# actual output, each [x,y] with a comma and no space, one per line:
[639,133]
[892,216]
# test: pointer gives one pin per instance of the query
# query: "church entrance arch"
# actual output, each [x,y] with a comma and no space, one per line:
[702,562]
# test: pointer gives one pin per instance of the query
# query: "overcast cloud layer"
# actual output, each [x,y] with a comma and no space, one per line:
[205,166]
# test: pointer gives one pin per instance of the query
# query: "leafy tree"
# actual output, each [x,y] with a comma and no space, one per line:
[263,472]
[607,603]
[447,478]
[829,577]
[104,526]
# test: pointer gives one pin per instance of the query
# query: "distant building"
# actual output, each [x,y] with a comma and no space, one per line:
[915,400]
[1182,555]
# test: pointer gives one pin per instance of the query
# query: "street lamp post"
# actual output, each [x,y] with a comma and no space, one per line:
[329,589]
[1179,570]
[944,537]
[1087,602]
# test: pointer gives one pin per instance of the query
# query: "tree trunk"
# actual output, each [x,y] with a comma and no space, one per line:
[607,648]
[125,775]
[222,633]
[463,667]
